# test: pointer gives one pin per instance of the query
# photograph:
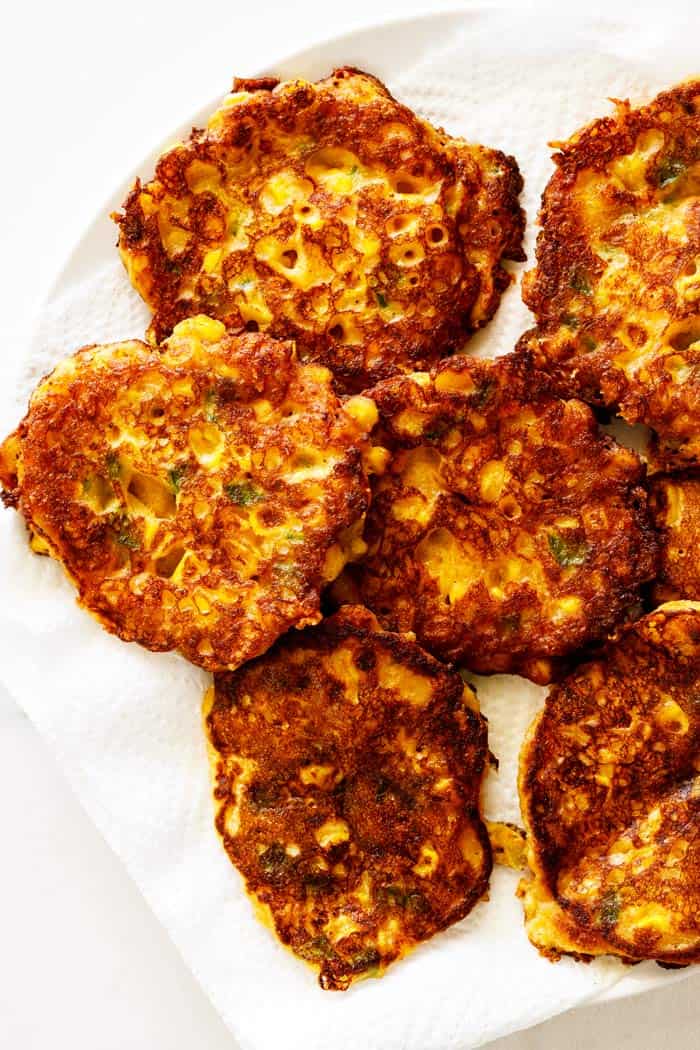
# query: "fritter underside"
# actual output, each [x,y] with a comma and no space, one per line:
[610,792]
[331,214]
[675,506]
[507,530]
[199,495]
[617,284]
[348,766]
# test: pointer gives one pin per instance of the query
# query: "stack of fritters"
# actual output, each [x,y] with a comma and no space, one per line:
[315,259]
[201,491]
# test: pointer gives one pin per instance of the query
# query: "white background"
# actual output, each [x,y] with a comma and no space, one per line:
[86,90]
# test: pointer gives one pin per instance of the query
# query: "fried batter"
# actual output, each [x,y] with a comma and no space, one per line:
[330,214]
[610,793]
[199,495]
[507,530]
[675,505]
[348,767]
[616,290]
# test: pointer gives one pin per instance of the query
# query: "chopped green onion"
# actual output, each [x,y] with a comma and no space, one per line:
[567,552]
[127,540]
[114,468]
[210,403]
[175,477]
[274,859]
[610,905]
[580,283]
[669,170]
[243,493]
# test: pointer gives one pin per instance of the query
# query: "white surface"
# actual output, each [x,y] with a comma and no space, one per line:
[59,963]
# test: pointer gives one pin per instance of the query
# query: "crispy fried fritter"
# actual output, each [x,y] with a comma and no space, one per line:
[507,530]
[348,767]
[199,495]
[610,793]
[617,284]
[675,505]
[331,214]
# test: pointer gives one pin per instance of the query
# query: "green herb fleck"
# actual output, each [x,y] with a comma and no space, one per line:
[588,342]
[114,468]
[175,477]
[484,393]
[669,170]
[398,897]
[353,169]
[316,950]
[127,540]
[273,860]
[567,552]
[317,883]
[86,484]
[415,901]
[393,895]
[210,405]
[580,283]
[365,959]
[294,535]
[382,300]
[569,320]
[610,905]
[243,493]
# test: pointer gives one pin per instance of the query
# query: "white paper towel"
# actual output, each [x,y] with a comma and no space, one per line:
[126,723]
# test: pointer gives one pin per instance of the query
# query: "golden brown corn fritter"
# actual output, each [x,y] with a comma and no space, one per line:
[617,284]
[507,531]
[348,767]
[610,793]
[199,495]
[330,214]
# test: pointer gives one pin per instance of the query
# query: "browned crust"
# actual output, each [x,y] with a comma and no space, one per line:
[493,226]
[114,422]
[433,303]
[675,506]
[502,621]
[577,340]
[322,700]
[604,778]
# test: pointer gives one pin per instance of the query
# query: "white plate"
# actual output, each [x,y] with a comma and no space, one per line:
[386,50]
